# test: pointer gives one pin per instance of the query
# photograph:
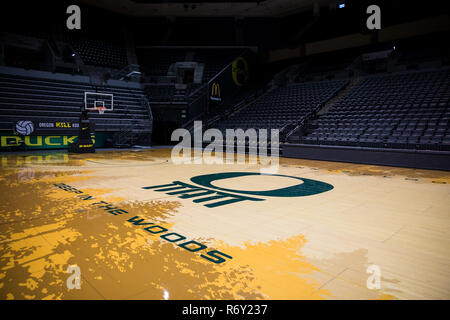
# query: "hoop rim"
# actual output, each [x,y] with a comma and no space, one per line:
[101,110]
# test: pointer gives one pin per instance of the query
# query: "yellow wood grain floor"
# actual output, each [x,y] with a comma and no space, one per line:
[59,210]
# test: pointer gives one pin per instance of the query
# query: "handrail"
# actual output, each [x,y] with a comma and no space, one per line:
[148,106]
[224,68]
[215,76]
[129,66]
[298,126]
[187,124]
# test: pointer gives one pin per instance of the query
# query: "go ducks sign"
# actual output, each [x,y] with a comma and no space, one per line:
[205,192]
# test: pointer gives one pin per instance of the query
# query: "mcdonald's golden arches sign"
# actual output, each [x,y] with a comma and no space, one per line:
[215,92]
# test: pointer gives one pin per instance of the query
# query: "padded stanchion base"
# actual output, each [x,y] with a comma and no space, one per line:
[82,146]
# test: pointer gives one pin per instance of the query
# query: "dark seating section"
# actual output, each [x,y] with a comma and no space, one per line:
[192,87]
[156,61]
[160,92]
[26,98]
[327,65]
[432,49]
[417,56]
[215,60]
[405,110]
[283,105]
[100,52]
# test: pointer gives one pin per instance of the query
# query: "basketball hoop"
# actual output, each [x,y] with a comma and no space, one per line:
[101,110]
[100,102]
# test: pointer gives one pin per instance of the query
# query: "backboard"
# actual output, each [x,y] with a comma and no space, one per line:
[101,102]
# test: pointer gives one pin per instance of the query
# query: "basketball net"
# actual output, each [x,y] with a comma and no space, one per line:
[101,110]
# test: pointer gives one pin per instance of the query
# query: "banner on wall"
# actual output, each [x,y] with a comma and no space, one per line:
[230,81]
[43,126]
[36,142]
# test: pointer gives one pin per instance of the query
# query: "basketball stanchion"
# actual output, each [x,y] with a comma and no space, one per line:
[84,144]
[99,102]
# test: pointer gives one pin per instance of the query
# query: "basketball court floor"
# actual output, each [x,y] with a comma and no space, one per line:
[134,225]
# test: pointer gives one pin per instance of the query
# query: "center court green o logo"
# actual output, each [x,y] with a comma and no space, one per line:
[307,188]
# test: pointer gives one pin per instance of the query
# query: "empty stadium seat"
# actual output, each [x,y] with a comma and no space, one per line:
[283,106]
[28,98]
[405,110]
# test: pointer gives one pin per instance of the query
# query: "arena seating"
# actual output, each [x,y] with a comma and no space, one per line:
[283,105]
[28,98]
[328,65]
[214,115]
[156,61]
[160,92]
[100,53]
[405,110]
[216,60]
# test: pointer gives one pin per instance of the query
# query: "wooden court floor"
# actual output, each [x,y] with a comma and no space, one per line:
[134,225]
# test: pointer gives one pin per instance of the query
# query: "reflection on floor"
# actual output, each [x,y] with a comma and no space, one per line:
[134,225]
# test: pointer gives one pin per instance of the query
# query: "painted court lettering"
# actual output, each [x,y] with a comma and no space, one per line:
[213,256]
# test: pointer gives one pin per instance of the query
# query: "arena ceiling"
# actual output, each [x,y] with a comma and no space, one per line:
[207,8]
